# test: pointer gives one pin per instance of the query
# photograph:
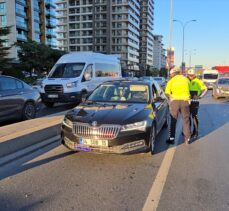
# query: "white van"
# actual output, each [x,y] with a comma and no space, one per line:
[77,74]
[210,77]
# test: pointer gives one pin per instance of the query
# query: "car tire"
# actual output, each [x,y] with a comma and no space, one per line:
[29,111]
[152,139]
[49,104]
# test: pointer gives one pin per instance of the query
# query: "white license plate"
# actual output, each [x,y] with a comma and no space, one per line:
[52,96]
[94,142]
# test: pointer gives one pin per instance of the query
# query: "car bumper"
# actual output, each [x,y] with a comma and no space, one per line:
[124,144]
[223,94]
[61,97]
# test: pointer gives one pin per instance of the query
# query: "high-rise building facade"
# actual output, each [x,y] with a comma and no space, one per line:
[106,26]
[159,58]
[146,33]
[29,19]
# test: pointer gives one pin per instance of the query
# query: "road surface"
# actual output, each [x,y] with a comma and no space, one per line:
[181,177]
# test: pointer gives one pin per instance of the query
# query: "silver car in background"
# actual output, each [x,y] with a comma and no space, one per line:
[221,88]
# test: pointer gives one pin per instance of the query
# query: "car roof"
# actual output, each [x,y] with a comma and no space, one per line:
[8,76]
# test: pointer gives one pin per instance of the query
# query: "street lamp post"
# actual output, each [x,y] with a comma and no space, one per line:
[183,30]
[190,57]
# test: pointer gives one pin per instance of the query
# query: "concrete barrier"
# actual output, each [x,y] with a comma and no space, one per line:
[19,136]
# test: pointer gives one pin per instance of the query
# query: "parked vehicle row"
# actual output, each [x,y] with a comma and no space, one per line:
[119,116]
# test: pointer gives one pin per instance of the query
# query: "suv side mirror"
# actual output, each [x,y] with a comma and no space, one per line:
[158,99]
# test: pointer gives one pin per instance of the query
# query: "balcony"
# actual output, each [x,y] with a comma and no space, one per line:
[21,13]
[22,25]
[50,24]
[50,3]
[50,34]
[50,13]
[22,37]
[51,43]
[22,2]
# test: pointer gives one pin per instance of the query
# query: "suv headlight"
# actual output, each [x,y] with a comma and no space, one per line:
[72,84]
[135,126]
[67,122]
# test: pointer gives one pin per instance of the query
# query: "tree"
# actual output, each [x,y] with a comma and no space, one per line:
[163,72]
[37,56]
[4,49]
[151,71]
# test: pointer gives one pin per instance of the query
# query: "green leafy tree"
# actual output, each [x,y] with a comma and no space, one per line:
[151,71]
[5,61]
[163,72]
[37,57]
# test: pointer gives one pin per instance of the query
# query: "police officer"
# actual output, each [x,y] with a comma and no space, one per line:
[197,90]
[177,89]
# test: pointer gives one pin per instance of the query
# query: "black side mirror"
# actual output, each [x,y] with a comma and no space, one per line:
[158,99]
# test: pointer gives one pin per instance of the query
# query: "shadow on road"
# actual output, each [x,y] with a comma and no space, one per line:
[211,117]
[22,165]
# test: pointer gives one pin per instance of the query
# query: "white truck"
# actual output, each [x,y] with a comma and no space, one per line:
[77,74]
[209,77]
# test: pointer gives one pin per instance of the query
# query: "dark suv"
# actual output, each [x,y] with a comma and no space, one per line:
[17,99]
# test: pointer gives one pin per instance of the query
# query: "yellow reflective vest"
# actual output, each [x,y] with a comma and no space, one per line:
[178,88]
[196,86]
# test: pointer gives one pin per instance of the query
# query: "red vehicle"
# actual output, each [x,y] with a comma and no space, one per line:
[223,70]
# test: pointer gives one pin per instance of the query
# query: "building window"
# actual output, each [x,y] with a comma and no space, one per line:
[3,20]
[106,70]
[2,7]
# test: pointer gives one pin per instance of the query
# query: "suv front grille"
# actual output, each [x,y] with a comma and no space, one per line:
[102,132]
[54,89]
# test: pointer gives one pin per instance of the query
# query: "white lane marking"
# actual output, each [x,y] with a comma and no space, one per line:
[155,193]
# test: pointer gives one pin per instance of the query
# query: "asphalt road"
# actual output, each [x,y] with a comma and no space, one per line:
[180,177]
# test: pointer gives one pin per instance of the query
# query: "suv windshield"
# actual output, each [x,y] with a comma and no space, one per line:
[121,92]
[68,70]
[210,76]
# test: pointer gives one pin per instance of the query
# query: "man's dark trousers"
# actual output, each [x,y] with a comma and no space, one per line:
[176,107]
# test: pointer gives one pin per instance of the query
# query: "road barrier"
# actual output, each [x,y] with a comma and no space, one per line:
[20,136]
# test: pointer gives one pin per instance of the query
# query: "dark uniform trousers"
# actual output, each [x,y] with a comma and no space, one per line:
[194,107]
[176,107]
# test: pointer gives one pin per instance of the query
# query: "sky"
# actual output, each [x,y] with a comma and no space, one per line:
[206,40]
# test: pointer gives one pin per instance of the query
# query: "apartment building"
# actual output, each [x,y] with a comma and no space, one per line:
[159,58]
[106,26]
[29,19]
[146,33]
